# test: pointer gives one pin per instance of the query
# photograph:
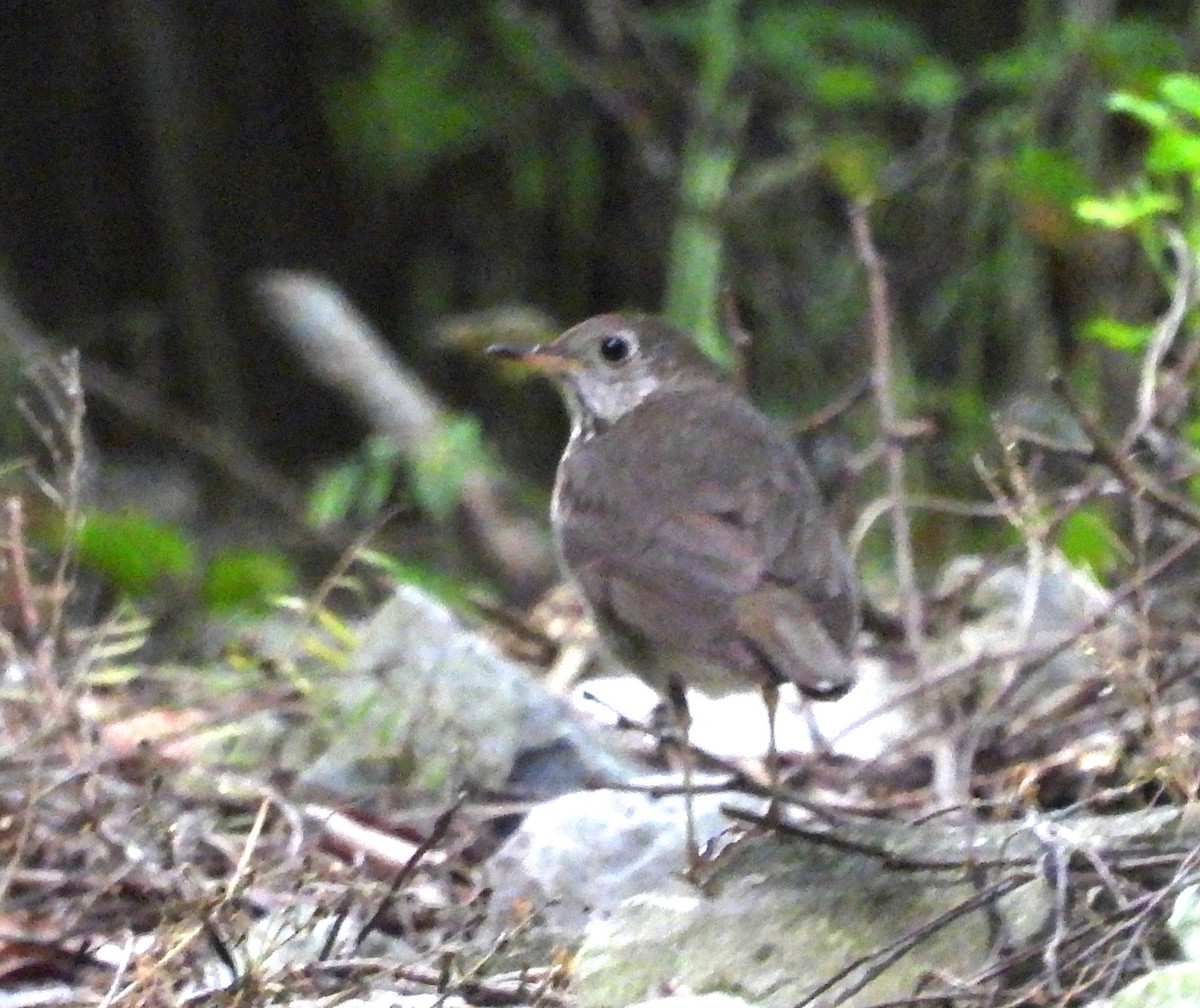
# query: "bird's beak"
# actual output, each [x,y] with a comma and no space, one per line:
[540,358]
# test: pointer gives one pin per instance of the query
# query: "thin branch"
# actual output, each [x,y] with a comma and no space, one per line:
[1115,457]
[1029,659]
[882,381]
[1165,332]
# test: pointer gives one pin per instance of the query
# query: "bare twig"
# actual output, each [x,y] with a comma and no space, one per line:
[1165,332]
[20,594]
[1115,457]
[882,379]
[438,833]
[738,335]
[1028,661]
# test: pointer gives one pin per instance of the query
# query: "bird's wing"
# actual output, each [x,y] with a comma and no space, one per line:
[690,533]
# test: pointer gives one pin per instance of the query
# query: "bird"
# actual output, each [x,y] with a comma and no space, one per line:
[692,527]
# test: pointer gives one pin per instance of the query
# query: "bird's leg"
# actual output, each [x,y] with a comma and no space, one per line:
[677,695]
[770,695]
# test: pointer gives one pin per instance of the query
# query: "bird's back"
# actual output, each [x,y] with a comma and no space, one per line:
[688,507]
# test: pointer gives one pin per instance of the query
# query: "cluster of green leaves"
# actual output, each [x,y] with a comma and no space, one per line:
[1162,196]
[436,471]
[431,93]
[1166,191]
[141,556]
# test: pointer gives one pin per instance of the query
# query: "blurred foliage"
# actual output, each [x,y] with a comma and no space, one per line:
[1166,193]
[443,160]
[139,556]
[454,591]
[1158,200]
[362,485]
[744,124]
[357,487]
[246,581]
[442,465]
[414,105]
[1087,539]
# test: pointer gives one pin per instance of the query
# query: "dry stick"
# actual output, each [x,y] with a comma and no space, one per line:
[440,828]
[850,398]
[1040,656]
[887,859]
[873,964]
[69,377]
[60,387]
[18,569]
[736,778]
[1164,335]
[738,336]
[889,420]
[502,989]
[41,644]
[1145,917]
[1114,456]
[133,401]
[61,432]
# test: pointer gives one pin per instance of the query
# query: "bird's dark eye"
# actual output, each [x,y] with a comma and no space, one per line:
[615,349]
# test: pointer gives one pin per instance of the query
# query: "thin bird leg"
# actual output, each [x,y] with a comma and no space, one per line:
[677,695]
[770,695]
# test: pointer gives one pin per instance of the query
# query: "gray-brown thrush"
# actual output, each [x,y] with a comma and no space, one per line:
[692,528]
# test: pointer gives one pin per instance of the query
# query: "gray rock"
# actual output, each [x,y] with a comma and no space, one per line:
[429,706]
[1173,986]
[577,858]
[1014,611]
[685,1000]
[785,917]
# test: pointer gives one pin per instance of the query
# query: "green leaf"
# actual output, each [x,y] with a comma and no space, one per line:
[359,486]
[1025,69]
[1183,91]
[839,86]
[517,38]
[1087,540]
[1152,113]
[1174,151]
[1134,52]
[412,109]
[246,580]
[1042,173]
[855,163]
[1191,431]
[872,35]
[779,39]
[931,85]
[1118,335]
[442,465]
[332,498]
[1127,207]
[134,551]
